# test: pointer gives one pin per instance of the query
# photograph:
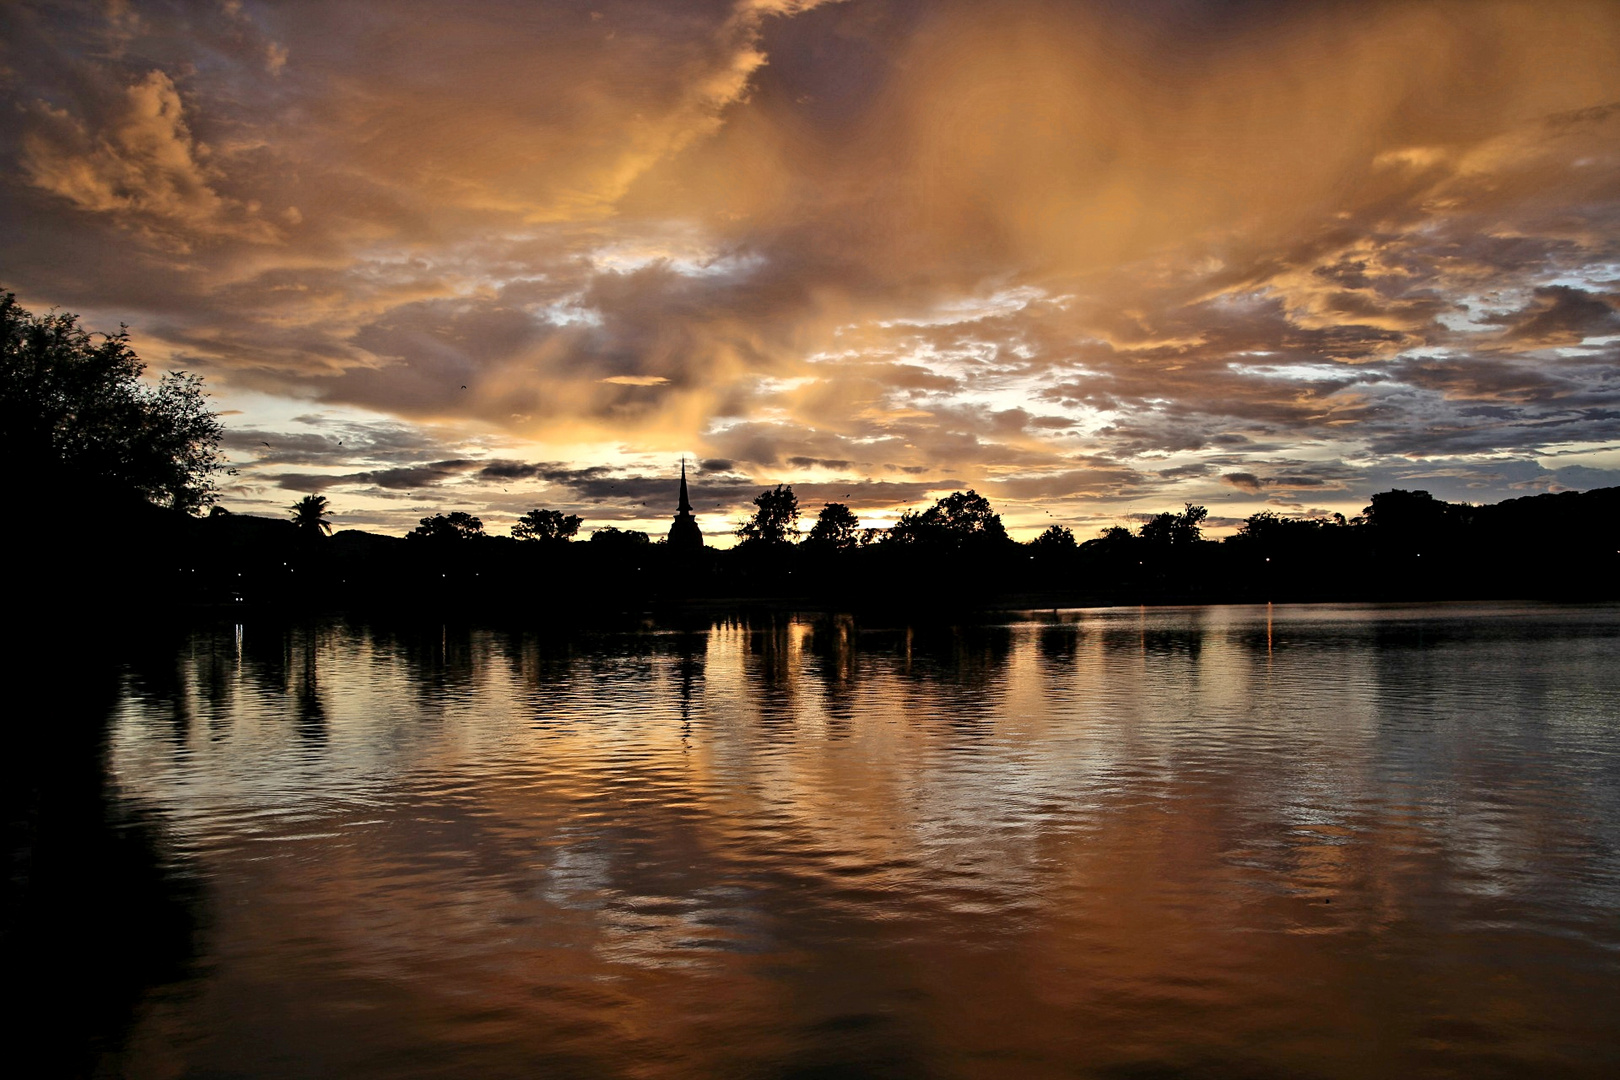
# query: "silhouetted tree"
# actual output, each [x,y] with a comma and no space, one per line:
[1288,555]
[836,528]
[959,519]
[1056,540]
[74,412]
[614,538]
[776,521]
[309,514]
[1114,560]
[1259,526]
[458,525]
[1160,528]
[1177,529]
[1411,514]
[1269,529]
[550,525]
[1419,543]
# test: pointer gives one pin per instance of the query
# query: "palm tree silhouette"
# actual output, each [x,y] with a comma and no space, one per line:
[309,514]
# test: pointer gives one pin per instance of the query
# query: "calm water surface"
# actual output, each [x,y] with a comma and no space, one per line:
[1314,841]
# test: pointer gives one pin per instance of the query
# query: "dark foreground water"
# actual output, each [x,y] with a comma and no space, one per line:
[1214,842]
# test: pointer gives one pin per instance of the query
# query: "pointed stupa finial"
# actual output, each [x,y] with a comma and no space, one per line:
[684,534]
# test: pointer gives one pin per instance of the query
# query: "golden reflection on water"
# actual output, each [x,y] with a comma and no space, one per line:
[1365,842]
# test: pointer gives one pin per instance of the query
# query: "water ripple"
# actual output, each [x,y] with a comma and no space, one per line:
[1298,841]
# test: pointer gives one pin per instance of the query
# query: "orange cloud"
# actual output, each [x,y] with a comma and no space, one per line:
[142,167]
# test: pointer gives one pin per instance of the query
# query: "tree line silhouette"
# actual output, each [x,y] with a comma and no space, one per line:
[1406,545]
[78,419]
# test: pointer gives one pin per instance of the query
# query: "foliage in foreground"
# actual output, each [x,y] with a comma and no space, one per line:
[76,416]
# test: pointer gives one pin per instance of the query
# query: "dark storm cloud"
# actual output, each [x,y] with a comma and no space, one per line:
[1561,315]
[305,482]
[400,478]
[509,470]
[412,477]
[1509,381]
[1244,481]
[1481,431]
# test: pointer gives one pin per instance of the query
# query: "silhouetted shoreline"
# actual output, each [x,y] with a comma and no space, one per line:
[1545,547]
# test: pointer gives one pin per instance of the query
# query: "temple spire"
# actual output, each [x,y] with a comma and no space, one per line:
[684,534]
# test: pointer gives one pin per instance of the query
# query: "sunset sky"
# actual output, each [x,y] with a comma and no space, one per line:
[1092,259]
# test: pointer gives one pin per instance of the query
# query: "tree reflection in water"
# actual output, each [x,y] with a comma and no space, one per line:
[99,908]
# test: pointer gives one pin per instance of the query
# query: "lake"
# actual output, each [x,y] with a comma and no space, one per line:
[1333,841]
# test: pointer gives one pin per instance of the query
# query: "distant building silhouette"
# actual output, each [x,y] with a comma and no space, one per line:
[684,534]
